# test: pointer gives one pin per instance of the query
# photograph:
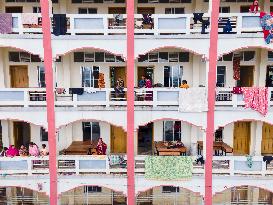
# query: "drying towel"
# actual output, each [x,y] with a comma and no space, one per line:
[268,159]
[59,24]
[197,17]
[237,90]
[193,100]
[236,67]
[30,19]
[5,23]
[267,25]
[90,90]
[77,91]
[168,167]
[256,99]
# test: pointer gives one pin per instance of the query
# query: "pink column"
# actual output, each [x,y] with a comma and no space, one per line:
[49,100]
[211,100]
[130,103]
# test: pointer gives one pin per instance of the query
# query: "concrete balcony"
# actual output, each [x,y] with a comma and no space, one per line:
[155,97]
[83,165]
[163,24]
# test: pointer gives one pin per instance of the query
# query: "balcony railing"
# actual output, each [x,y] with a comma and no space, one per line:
[154,97]
[163,24]
[80,165]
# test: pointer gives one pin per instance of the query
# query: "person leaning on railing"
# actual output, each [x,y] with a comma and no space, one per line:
[184,84]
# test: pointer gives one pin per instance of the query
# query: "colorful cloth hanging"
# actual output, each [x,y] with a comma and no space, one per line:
[30,18]
[236,67]
[256,99]
[5,23]
[267,25]
[168,167]
[237,90]
[254,8]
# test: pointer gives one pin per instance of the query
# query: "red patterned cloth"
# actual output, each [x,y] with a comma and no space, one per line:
[236,68]
[256,99]
[267,25]
[237,90]
[254,8]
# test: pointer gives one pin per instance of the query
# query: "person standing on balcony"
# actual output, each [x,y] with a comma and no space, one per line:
[12,151]
[101,147]
[3,153]
[184,84]
[43,151]
[148,84]
[142,82]
[23,151]
[33,150]
[119,88]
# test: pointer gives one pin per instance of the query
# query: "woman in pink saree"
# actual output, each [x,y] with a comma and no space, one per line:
[12,151]
[33,150]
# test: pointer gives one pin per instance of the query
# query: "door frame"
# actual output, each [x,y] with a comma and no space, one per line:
[11,67]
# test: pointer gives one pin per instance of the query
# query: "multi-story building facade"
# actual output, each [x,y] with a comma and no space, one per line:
[90,58]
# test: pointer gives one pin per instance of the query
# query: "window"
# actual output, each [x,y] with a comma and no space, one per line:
[221,76]
[92,189]
[172,130]
[88,10]
[174,10]
[224,9]
[170,189]
[90,76]
[244,9]
[23,57]
[96,57]
[41,76]
[43,135]
[173,76]
[270,56]
[165,57]
[247,56]
[91,131]
[37,9]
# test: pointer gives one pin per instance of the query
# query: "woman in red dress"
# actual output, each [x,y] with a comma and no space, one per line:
[101,147]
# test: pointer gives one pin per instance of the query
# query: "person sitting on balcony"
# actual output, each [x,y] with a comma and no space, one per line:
[148,84]
[101,147]
[3,153]
[23,151]
[184,84]
[43,151]
[12,151]
[119,88]
[142,82]
[33,150]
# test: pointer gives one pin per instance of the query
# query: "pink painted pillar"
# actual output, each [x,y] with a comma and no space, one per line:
[46,25]
[211,100]
[130,104]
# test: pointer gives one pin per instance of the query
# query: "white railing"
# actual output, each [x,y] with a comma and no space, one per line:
[155,97]
[105,24]
[86,164]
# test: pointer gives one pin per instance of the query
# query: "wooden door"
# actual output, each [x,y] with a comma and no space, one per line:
[19,76]
[118,72]
[21,133]
[145,10]
[118,140]
[241,138]
[246,76]
[267,139]
[117,10]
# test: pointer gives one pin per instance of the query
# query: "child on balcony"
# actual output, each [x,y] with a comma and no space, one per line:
[33,150]
[101,147]
[12,151]
[184,84]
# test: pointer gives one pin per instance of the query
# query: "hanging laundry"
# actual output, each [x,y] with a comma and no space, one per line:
[118,18]
[59,24]
[256,99]
[60,91]
[197,17]
[205,25]
[90,90]
[227,28]
[237,90]
[5,23]
[29,18]
[101,82]
[267,25]
[268,159]
[77,91]
[236,67]
[254,8]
